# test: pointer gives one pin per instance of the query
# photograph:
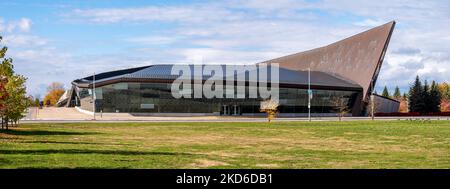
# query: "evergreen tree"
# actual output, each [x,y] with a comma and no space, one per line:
[415,99]
[435,98]
[385,92]
[426,97]
[397,94]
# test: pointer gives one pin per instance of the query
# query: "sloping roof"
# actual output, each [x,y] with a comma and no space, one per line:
[163,72]
[357,58]
[108,75]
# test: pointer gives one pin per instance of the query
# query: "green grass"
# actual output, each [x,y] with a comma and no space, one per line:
[352,144]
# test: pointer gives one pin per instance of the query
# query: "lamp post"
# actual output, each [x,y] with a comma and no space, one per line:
[309,94]
[93,94]
[372,102]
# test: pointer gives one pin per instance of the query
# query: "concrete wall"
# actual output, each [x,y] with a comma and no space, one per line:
[86,104]
[384,105]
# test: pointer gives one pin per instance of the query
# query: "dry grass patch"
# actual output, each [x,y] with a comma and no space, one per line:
[205,163]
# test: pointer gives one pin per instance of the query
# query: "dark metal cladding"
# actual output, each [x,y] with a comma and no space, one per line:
[357,58]
[162,73]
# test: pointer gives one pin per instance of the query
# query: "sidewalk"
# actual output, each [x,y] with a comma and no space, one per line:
[54,114]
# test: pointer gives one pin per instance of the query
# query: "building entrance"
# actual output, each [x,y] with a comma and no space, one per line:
[230,110]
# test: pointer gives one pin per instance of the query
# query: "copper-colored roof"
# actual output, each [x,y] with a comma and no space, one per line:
[357,58]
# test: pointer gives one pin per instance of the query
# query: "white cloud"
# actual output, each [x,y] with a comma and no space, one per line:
[23,40]
[2,22]
[153,14]
[152,40]
[216,56]
[22,25]
[370,23]
[265,28]
[253,31]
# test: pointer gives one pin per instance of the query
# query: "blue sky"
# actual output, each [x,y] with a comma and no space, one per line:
[64,40]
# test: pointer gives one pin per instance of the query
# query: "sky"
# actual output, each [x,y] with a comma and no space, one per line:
[54,40]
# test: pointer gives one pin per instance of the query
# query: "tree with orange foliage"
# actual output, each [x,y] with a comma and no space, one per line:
[444,88]
[445,105]
[403,103]
[55,91]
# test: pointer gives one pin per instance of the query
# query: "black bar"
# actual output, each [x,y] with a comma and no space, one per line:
[226,178]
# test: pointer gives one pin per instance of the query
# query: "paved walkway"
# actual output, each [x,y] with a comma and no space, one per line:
[53,114]
[71,114]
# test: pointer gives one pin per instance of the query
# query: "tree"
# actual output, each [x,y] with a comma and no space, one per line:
[13,99]
[403,103]
[55,86]
[444,89]
[17,102]
[341,106]
[426,97]
[435,98]
[36,102]
[269,106]
[397,95]
[416,101]
[55,91]
[385,92]
[445,106]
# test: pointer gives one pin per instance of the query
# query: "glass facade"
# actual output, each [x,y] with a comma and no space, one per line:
[157,98]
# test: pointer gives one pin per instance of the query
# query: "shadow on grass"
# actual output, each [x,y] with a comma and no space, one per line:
[67,142]
[77,151]
[38,132]
[89,169]
[4,161]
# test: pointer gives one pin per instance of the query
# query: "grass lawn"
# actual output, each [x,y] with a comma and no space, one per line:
[352,144]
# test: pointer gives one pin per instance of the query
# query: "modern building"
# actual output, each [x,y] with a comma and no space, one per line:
[343,74]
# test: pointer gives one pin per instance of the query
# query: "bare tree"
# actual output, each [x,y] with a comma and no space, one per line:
[55,86]
[373,106]
[340,105]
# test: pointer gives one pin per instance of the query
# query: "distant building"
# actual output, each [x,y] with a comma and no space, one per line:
[347,69]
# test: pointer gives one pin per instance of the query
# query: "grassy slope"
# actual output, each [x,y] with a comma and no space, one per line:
[362,144]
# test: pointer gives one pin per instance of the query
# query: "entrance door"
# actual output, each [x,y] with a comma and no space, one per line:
[228,110]
[225,110]
[236,110]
